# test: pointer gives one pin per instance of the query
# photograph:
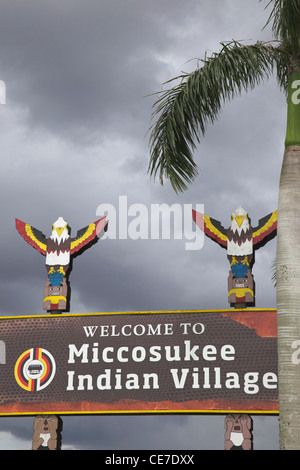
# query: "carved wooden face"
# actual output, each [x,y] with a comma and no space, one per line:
[240,283]
[45,424]
[237,423]
[55,290]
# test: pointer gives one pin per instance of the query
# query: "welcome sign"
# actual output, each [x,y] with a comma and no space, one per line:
[139,362]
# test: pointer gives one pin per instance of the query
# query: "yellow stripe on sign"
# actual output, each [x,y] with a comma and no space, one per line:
[19,382]
[40,357]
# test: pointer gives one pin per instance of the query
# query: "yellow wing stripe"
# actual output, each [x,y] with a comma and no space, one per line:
[213,229]
[267,225]
[33,238]
[85,236]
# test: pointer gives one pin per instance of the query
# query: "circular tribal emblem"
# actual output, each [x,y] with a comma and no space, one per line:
[35,369]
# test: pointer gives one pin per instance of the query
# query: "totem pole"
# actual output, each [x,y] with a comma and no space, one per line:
[47,432]
[241,240]
[238,432]
[59,249]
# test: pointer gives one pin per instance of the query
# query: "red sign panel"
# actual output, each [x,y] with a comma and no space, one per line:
[139,362]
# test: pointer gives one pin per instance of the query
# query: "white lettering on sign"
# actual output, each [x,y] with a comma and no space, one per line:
[154,353]
[296,94]
[204,377]
[196,376]
[141,329]
[197,328]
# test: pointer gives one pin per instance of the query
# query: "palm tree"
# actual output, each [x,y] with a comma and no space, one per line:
[181,115]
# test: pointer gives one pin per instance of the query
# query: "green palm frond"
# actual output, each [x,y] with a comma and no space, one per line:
[285,19]
[183,112]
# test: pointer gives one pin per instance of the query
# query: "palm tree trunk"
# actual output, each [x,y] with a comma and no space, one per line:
[288,299]
[288,276]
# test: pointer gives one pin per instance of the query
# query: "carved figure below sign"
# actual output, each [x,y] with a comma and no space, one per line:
[59,249]
[46,434]
[238,432]
[240,240]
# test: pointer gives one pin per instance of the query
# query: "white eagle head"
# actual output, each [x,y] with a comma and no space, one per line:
[239,220]
[60,231]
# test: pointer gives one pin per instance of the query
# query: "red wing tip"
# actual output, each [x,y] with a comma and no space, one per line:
[19,223]
[100,224]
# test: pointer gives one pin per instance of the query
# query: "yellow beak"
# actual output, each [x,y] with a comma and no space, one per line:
[59,230]
[239,219]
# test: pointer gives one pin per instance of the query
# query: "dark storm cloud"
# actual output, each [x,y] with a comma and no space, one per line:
[84,68]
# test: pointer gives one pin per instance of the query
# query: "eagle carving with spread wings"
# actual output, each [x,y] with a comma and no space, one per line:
[58,250]
[241,240]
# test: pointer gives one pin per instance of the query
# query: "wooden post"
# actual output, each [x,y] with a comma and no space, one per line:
[238,432]
[47,432]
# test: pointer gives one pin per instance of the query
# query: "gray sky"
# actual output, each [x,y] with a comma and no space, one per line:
[74,136]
